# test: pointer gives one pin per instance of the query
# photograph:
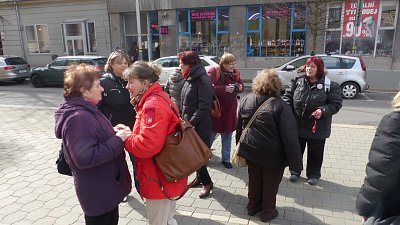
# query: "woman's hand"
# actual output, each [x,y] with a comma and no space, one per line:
[229,88]
[363,219]
[123,134]
[317,114]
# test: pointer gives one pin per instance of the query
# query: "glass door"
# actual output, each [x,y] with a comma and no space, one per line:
[74,36]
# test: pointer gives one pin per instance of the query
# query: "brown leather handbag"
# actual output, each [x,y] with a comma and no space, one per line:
[216,107]
[183,152]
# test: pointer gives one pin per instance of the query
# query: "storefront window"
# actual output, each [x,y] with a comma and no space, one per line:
[223,19]
[334,17]
[299,16]
[332,43]
[388,16]
[253,18]
[184,43]
[183,21]
[203,33]
[279,35]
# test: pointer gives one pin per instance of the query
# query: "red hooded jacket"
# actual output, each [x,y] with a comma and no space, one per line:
[154,121]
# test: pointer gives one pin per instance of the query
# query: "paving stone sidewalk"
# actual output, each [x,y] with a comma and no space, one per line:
[32,192]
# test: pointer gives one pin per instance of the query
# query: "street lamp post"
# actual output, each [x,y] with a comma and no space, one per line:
[139,30]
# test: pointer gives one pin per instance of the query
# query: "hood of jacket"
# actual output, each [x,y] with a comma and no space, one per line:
[69,106]
[196,72]
[176,76]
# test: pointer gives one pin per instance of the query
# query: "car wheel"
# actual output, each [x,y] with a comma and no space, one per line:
[350,90]
[37,81]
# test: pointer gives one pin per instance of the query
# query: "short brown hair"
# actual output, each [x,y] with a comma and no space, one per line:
[77,77]
[143,71]
[115,56]
[267,82]
[227,58]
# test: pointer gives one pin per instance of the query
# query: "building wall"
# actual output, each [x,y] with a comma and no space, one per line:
[53,13]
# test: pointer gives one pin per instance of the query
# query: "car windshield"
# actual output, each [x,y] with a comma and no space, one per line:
[15,61]
[215,59]
[100,61]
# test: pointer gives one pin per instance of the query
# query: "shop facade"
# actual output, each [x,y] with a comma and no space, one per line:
[260,33]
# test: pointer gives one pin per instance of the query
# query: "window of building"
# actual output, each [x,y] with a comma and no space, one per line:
[38,38]
[373,37]
[205,31]
[276,30]
[91,37]
[384,42]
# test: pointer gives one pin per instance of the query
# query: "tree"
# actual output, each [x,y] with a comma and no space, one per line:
[317,11]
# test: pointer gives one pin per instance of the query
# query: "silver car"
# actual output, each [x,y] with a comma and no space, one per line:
[170,63]
[13,68]
[349,71]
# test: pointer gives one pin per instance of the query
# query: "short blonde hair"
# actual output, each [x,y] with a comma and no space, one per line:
[267,82]
[396,102]
[227,58]
[77,77]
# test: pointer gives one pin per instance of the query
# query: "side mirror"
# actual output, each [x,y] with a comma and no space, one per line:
[289,68]
[48,66]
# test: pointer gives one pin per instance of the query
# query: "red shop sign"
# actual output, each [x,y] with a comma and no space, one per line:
[368,20]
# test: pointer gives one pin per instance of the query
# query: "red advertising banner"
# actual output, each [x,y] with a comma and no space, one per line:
[368,20]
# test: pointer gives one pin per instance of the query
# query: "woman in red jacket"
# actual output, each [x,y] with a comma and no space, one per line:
[154,121]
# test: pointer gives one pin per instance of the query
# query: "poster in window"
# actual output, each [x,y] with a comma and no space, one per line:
[368,20]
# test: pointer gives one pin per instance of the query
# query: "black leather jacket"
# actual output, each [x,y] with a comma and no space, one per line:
[271,140]
[115,103]
[381,185]
[304,99]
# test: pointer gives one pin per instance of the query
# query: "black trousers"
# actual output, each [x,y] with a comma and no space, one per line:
[203,175]
[263,188]
[108,218]
[315,156]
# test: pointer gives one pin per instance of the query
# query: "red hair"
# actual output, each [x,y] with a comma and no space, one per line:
[189,58]
[319,63]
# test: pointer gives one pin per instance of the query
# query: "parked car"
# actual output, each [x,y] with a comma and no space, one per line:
[170,63]
[53,73]
[349,71]
[13,68]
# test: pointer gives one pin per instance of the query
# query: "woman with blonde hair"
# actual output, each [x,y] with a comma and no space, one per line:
[269,144]
[92,148]
[154,121]
[379,198]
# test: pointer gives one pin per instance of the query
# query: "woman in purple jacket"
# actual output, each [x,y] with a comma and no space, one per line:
[227,85]
[93,150]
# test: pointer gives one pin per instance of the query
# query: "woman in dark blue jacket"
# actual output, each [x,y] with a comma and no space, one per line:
[314,99]
[93,150]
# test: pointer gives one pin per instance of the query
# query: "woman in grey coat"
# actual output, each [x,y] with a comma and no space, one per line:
[174,87]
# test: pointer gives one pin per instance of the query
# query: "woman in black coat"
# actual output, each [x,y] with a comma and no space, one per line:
[379,196]
[196,100]
[269,145]
[314,99]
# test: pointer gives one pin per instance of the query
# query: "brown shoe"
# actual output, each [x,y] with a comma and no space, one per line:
[195,183]
[265,218]
[205,192]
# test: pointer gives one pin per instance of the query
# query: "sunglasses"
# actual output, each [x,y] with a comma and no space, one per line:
[115,54]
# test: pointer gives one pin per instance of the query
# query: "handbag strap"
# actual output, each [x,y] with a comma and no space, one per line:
[170,105]
[254,117]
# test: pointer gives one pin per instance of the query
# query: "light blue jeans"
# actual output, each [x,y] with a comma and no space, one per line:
[226,142]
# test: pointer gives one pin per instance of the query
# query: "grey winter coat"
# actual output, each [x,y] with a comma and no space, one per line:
[174,87]
[304,99]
